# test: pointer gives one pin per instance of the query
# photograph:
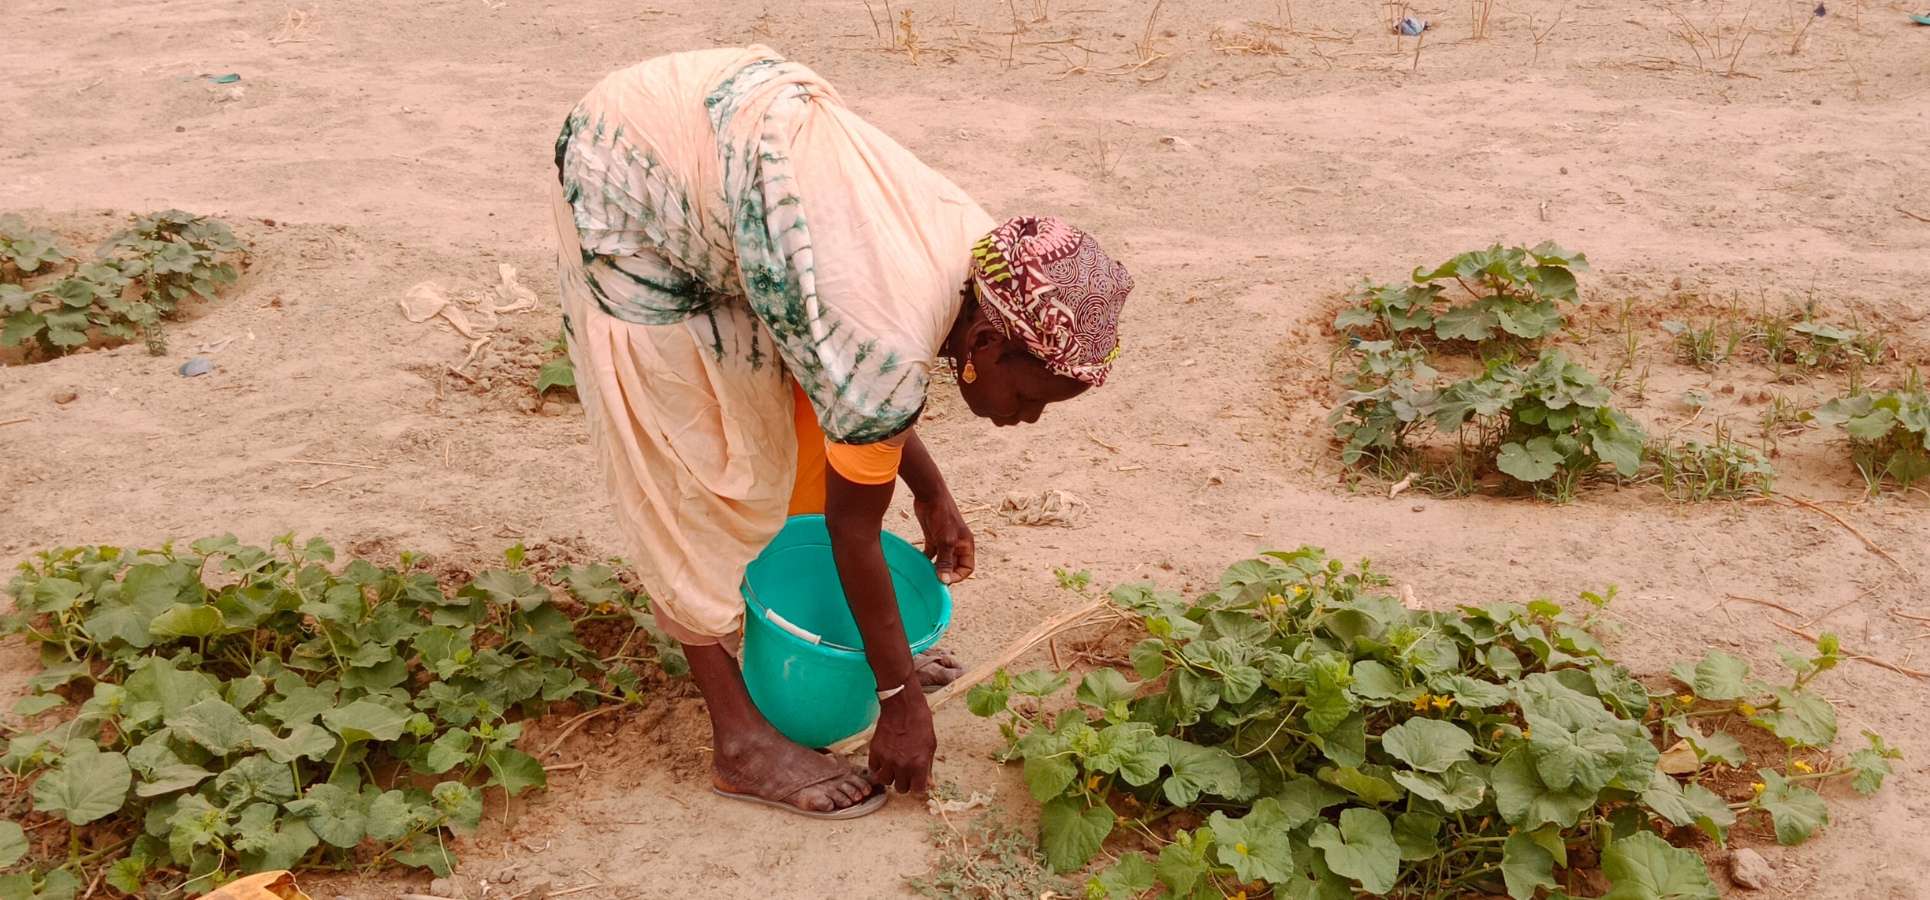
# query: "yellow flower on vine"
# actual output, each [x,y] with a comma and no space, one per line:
[1802,766]
[1527,733]
[1299,590]
[1240,848]
[1758,787]
[1442,703]
[1685,699]
[1746,709]
[1276,600]
[1092,784]
[1239,896]
[1420,703]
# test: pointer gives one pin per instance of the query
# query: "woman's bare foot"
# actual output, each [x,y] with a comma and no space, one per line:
[775,768]
[937,668]
[752,758]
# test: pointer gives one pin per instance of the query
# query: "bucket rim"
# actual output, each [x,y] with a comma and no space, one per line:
[918,645]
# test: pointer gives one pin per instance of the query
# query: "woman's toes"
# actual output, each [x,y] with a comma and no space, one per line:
[818,800]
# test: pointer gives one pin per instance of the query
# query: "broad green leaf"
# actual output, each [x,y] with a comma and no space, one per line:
[1716,747]
[1584,759]
[1368,788]
[13,842]
[1302,800]
[427,852]
[554,374]
[1429,745]
[1642,866]
[1871,765]
[389,816]
[337,815]
[1472,693]
[255,778]
[266,842]
[1376,681]
[1149,658]
[1796,811]
[173,689]
[1071,834]
[1462,788]
[1198,770]
[1526,802]
[1183,864]
[1256,845]
[448,751]
[1133,749]
[1040,683]
[1049,776]
[986,699]
[1465,323]
[28,707]
[515,771]
[1417,833]
[306,740]
[183,620]
[88,785]
[1526,866]
[1719,676]
[302,703]
[214,725]
[1126,879]
[1689,805]
[366,720]
[1103,687]
[516,589]
[1535,460]
[1361,848]
[170,778]
[1801,719]
[128,874]
[460,802]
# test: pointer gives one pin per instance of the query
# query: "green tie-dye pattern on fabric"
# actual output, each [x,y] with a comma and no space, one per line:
[624,202]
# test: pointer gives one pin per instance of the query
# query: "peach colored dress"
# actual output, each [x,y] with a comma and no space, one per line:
[729,233]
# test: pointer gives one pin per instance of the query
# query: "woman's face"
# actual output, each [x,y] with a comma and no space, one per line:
[1013,386]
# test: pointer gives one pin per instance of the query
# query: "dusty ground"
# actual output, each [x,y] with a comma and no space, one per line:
[1247,174]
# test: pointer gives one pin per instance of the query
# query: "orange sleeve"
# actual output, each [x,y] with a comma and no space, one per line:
[866,463]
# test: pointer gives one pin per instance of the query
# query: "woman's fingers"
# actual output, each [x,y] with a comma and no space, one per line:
[964,558]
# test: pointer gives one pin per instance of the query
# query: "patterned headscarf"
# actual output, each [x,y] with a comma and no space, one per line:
[1048,285]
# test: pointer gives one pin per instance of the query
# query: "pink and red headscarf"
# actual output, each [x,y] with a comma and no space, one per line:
[1047,285]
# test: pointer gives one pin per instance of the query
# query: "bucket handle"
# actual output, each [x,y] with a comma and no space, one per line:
[770,615]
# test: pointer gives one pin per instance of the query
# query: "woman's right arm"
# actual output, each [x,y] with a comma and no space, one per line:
[903,746]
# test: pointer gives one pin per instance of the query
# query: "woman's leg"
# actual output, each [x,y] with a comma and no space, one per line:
[751,757]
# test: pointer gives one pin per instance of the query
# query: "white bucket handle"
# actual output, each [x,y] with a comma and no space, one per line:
[771,616]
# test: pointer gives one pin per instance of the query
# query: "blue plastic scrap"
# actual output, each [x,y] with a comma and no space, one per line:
[199,365]
[1410,26]
[229,78]
[1920,20]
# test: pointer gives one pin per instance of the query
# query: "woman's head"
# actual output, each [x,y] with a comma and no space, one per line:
[1040,322]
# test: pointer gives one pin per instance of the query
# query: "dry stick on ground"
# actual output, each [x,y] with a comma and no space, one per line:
[330,462]
[1419,42]
[572,725]
[15,421]
[1042,632]
[1871,660]
[1540,35]
[1761,602]
[324,482]
[1835,609]
[1912,215]
[1874,548]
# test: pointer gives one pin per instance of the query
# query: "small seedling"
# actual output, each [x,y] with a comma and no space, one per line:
[1722,469]
[1889,432]
[558,372]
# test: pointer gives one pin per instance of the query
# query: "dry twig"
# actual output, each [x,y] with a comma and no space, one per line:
[1874,548]
[1869,660]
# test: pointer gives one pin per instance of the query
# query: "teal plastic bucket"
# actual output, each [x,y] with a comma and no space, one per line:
[803,658]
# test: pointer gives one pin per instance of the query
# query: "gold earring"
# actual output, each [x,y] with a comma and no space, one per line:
[970,374]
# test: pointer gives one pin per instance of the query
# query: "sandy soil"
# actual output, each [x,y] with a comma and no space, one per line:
[1247,174]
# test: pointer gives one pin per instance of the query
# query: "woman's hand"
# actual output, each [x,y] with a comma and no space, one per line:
[903,745]
[948,540]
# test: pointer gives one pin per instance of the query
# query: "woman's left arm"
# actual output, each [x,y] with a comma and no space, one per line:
[948,541]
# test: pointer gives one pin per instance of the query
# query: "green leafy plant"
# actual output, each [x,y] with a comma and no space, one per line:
[988,858]
[558,372]
[172,256]
[1547,425]
[1722,469]
[1706,347]
[25,250]
[1298,730]
[1511,291]
[139,277]
[227,709]
[1889,432]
